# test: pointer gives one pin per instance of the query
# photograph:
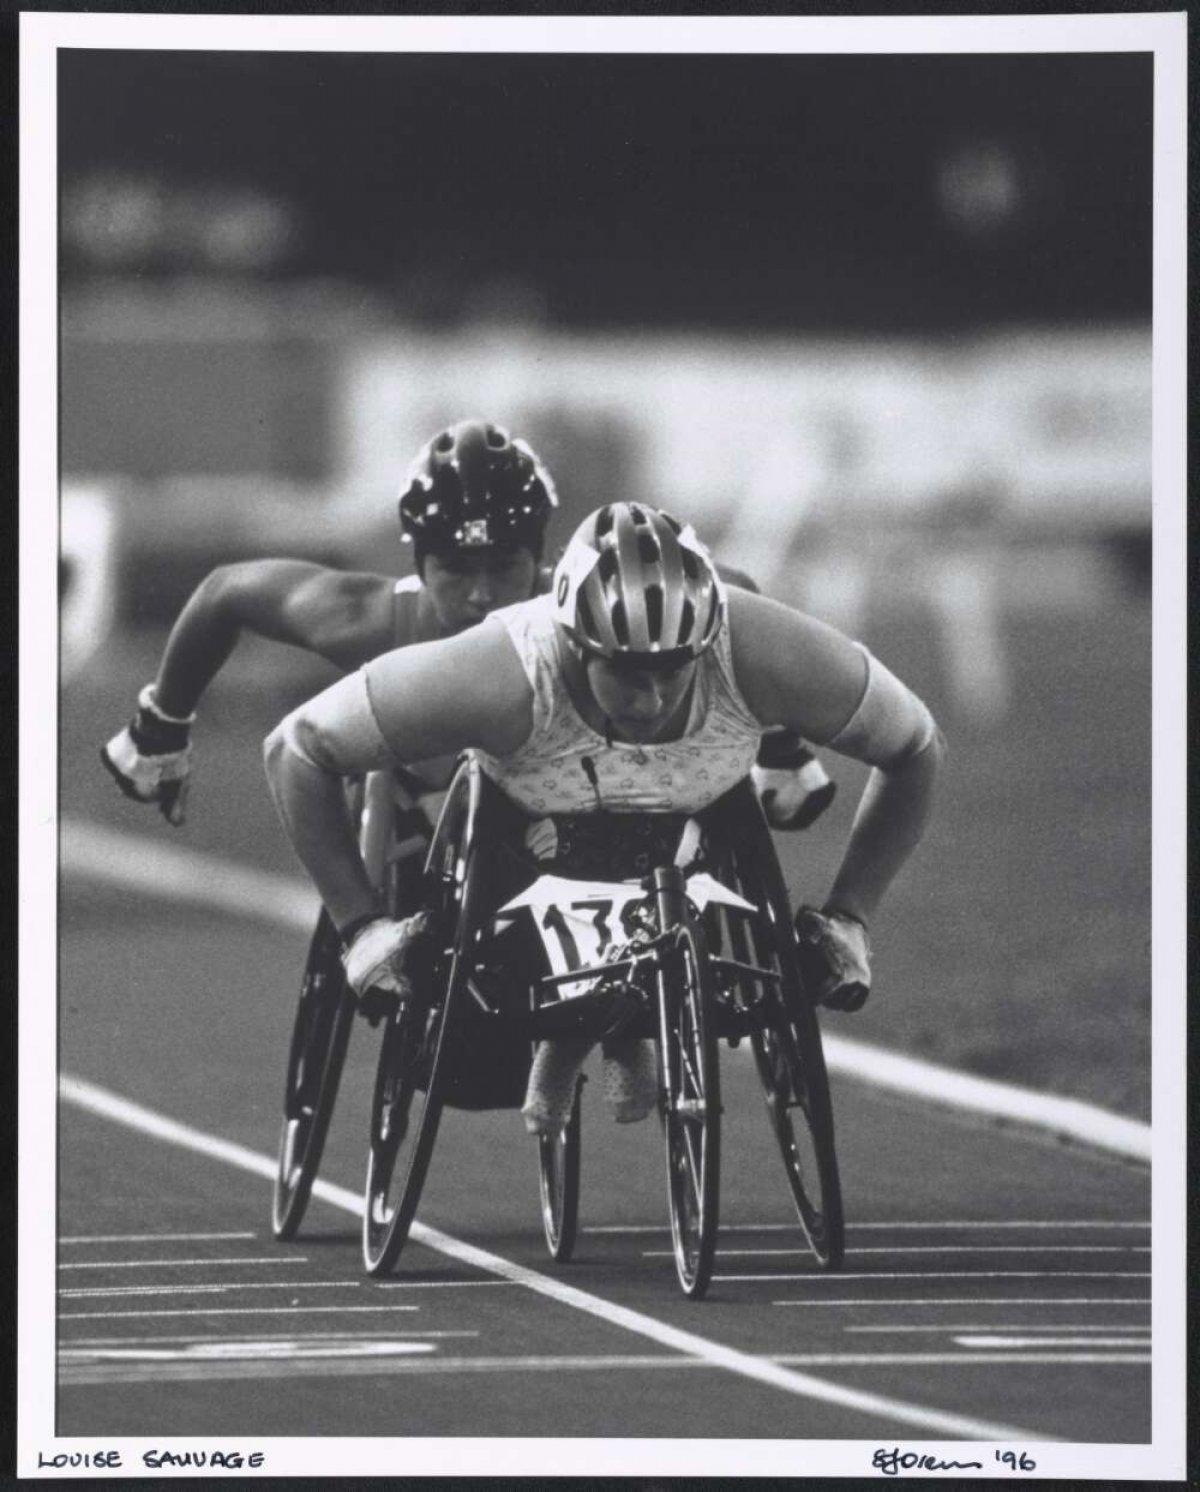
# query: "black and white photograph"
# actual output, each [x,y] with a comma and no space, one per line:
[602,600]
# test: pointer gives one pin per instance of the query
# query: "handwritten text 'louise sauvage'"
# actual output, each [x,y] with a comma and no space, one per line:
[156,1460]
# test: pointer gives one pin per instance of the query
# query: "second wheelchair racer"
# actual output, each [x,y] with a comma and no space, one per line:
[475,506]
[639,684]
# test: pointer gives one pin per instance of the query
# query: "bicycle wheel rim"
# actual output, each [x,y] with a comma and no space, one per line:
[791,1068]
[558,1185]
[316,1056]
[692,1124]
[404,1123]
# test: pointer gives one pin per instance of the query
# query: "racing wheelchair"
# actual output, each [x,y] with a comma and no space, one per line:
[704,951]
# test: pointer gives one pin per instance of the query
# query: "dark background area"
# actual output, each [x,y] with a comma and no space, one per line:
[889,194]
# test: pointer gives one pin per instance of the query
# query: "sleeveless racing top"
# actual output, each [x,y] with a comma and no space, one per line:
[547,773]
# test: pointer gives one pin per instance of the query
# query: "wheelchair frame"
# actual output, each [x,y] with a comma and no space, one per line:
[690,997]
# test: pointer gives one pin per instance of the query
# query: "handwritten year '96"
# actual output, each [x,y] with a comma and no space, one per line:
[892,1460]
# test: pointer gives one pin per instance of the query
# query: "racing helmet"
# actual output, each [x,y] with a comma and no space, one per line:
[472,487]
[634,583]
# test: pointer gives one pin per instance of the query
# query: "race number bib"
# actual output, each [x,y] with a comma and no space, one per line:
[582,923]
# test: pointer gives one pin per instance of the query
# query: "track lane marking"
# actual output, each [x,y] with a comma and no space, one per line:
[441,1284]
[160,1338]
[858,1227]
[995,1326]
[87,1238]
[867,1302]
[230,1311]
[180,1263]
[992,1340]
[81,1292]
[381,1366]
[852,1276]
[953,1248]
[147,865]
[112,1106]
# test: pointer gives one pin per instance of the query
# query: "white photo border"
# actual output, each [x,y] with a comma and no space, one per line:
[41,35]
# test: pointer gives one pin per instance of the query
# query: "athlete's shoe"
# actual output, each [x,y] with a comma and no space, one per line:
[550,1091]
[630,1078]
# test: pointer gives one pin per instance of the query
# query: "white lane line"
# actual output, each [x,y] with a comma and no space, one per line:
[97,1100]
[139,863]
[801,1248]
[858,1227]
[193,1311]
[162,1338]
[990,1223]
[81,1238]
[352,1367]
[1001,1248]
[80,1292]
[1072,1326]
[443,1284]
[1073,1341]
[852,1276]
[866,1302]
[247,1351]
[157,869]
[182,1263]
[1068,1118]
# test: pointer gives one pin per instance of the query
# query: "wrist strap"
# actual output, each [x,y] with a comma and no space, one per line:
[781,748]
[147,702]
[351,930]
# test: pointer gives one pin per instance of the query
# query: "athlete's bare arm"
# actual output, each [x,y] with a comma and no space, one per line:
[344,617]
[794,670]
[432,699]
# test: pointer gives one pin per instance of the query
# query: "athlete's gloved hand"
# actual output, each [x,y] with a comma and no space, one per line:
[150,760]
[382,953]
[791,783]
[835,958]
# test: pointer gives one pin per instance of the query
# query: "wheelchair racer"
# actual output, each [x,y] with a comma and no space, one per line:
[475,506]
[640,684]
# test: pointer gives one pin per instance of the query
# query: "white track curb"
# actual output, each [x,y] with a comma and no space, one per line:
[152,868]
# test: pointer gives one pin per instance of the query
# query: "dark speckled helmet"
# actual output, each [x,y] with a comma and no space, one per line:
[473,487]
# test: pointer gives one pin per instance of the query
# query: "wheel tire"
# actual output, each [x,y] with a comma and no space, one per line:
[411,1075]
[406,1108]
[316,1056]
[790,1060]
[558,1183]
[692,1114]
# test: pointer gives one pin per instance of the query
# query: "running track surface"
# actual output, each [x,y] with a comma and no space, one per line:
[993,1281]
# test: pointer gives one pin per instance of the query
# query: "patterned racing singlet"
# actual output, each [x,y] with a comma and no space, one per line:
[546,775]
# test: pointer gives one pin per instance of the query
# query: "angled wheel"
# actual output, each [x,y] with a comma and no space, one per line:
[558,1179]
[411,1075]
[316,1056]
[692,1106]
[786,1041]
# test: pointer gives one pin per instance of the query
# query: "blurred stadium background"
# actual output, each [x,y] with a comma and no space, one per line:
[879,326]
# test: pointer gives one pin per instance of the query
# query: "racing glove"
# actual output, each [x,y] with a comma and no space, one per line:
[835,958]
[382,953]
[150,760]
[791,783]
